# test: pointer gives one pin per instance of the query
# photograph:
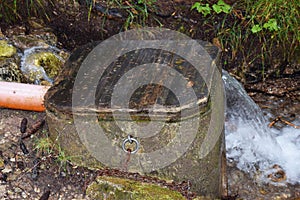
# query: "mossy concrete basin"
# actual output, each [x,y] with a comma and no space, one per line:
[156,154]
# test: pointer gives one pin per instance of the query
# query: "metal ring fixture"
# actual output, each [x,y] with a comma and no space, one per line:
[131,140]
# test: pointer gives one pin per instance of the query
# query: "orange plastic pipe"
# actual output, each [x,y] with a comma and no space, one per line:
[22,96]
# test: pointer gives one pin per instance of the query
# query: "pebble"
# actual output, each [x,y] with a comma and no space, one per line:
[2,189]
[7,169]
[18,190]
[36,189]
[9,192]
[24,195]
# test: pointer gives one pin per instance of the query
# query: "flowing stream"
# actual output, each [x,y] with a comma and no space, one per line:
[252,144]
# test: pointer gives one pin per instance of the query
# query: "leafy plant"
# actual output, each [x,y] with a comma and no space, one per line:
[277,20]
[266,27]
[270,25]
[256,28]
[204,9]
[221,6]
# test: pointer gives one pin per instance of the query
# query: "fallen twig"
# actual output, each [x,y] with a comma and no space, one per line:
[279,118]
[34,128]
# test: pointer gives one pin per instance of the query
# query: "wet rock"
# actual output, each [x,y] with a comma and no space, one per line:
[27,41]
[41,31]
[7,169]
[9,63]
[119,188]
[10,71]
[41,65]
[6,50]
[38,35]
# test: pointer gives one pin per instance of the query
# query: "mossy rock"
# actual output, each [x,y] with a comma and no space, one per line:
[112,188]
[6,50]
[41,64]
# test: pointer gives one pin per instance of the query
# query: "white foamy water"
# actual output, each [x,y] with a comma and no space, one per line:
[251,143]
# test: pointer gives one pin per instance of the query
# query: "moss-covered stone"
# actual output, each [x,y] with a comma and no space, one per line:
[10,70]
[6,50]
[41,66]
[124,189]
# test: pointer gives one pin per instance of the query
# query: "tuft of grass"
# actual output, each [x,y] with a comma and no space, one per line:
[44,145]
[47,148]
[62,159]
[137,11]
[262,32]
[11,11]
[276,22]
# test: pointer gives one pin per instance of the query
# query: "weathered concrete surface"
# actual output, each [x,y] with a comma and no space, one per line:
[204,174]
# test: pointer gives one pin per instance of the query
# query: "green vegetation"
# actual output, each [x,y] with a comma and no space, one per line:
[43,145]
[47,148]
[277,22]
[205,9]
[262,33]
[256,30]
[10,11]
[120,188]
[138,11]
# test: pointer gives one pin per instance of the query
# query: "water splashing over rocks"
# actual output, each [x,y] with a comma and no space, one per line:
[257,149]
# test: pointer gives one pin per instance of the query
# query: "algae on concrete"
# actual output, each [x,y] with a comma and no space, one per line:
[120,189]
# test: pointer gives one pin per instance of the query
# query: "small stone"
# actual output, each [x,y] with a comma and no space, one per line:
[24,195]
[7,169]
[18,190]
[263,192]
[63,174]
[42,166]
[6,50]
[9,192]
[36,189]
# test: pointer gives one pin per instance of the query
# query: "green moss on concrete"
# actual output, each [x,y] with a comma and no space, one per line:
[111,188]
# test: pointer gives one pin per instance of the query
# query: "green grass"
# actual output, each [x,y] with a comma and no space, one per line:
[262,32]
[137,11]
[279,22]
[45,147]
[11,11]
